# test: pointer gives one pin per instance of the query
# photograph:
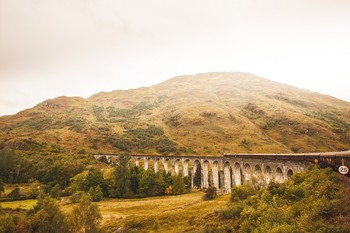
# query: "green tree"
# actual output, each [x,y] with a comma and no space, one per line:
[121,186]
[197,176]
[95,193]
[78,183]
[15,194]
[34,190]
[151,184]
[210,194]
[135,177]
[75,197]
[7,164]
[47,217]
[95,178]
[178,185]
[55,191]
[187,181]
[2,186]
[85,217]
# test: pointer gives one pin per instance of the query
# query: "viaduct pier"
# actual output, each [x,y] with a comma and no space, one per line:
[228,170]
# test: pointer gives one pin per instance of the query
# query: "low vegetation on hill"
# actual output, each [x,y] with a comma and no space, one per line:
[210,114]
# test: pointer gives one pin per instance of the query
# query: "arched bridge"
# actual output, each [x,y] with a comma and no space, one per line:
[224,172]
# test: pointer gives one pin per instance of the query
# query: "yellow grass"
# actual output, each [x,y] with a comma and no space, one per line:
[160,214]
[24,204]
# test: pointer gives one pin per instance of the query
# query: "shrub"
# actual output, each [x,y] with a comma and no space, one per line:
[232,212]
[82,151]
[210,194]
[294,193]
[165,145]
[55,191]
[15,194]
[76,197]
[241,192]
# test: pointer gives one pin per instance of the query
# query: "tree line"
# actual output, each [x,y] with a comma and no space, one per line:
[133,181]
[64,175]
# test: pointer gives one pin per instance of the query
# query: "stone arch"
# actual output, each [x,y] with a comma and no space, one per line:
[215,174]
[154,164]
[237,171]
[197,173]
[185,167]
[205,174]
[145,163]
[165,163]
[175,167]
[268,174]
[257,170]
[279,175]
[227,177]
[136,161]
[290,173]
[247,172]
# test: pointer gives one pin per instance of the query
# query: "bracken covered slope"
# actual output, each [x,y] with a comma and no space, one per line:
[209,114]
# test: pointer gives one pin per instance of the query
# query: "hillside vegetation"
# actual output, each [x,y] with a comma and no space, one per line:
[317,200]
[314,201]
[208,114]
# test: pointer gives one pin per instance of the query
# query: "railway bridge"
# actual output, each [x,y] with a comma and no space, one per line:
[228,170]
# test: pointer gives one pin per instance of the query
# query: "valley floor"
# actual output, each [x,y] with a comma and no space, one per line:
[182,213]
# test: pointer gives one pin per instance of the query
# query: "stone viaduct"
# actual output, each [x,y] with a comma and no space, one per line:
[224,172]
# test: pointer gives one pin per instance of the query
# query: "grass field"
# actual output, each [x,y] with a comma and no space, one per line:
[181,213]
[25,204]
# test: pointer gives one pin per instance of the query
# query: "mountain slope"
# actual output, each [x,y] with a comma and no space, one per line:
[209,113]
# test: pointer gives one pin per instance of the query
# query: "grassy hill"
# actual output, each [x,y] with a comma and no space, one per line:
[209,113]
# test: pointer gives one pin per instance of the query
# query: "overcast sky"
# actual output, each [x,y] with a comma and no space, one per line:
[50,48]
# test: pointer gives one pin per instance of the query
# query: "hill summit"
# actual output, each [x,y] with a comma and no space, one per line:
[208,114]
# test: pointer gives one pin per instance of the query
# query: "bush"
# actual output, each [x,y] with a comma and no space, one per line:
[213,228]
[232,212]
[210,194]
[165,145]
[15,194]
[76,197]
[55,191]
[241,192]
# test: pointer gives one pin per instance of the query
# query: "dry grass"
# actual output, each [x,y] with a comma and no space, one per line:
[24,204]
[157,214]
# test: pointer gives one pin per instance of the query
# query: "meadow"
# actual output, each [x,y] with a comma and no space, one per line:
[23,204]
[178,213]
